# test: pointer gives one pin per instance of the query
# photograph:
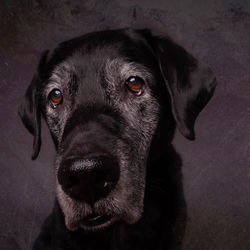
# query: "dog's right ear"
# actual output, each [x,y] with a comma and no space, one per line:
[30,111]
[189,83]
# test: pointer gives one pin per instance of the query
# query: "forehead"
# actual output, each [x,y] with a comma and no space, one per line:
[107,62]
[79,66]
[99,46]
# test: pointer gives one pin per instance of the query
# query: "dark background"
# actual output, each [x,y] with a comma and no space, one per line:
[216,166]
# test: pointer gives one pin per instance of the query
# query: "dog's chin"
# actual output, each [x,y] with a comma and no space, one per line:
[96,222]
[103,215]
[92,222]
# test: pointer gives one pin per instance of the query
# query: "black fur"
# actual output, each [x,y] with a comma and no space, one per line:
[183,87]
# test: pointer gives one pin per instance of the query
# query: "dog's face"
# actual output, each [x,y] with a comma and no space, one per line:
[107,117]
[103,97]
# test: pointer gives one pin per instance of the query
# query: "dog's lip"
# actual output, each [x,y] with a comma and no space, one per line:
[96,219]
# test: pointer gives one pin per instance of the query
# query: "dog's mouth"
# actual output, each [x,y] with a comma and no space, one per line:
[94,220]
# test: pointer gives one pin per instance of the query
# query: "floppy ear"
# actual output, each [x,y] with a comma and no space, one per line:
[189,84]
[29,110]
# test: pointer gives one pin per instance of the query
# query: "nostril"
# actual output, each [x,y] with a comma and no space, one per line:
[69,182]
[104,186]
[65,178]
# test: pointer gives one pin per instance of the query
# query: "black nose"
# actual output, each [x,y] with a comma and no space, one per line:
[88,179]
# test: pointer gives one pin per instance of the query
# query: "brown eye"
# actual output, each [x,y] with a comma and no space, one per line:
[135,84]
[55,97]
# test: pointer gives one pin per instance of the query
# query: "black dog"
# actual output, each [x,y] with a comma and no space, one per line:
[111,100]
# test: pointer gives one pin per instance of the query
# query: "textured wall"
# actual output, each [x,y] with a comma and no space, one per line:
[216,166]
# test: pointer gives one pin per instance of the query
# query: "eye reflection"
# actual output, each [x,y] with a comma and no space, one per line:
[56,97]
[135,85]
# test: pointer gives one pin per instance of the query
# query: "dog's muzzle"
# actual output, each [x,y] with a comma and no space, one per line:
[88,179]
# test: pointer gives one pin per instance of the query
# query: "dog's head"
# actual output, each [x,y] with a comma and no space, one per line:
[106,97]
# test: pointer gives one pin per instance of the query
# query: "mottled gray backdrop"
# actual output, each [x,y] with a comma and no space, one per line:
[216,166]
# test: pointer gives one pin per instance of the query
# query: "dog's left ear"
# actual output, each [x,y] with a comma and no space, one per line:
[30,111]
[189,84]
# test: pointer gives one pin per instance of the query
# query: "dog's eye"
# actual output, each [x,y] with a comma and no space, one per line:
[56,97]
[135,84]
